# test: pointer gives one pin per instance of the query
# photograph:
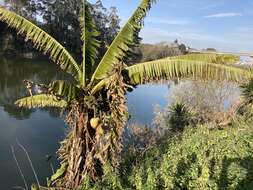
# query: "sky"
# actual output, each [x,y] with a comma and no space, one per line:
[226,25]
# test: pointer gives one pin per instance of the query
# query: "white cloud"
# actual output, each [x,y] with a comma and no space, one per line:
[223,15]
[158,20]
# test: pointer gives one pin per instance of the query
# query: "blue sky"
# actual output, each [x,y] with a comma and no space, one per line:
[223,24]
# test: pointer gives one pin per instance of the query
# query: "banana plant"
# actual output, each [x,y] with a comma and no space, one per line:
[94,99]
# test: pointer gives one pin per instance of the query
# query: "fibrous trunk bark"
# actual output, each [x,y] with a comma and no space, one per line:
[96,125]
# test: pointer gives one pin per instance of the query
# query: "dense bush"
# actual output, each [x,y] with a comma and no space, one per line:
[209,159]
[199,158]
[212,102]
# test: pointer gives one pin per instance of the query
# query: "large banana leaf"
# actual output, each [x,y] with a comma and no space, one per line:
[123,41]
[41,101]
[42,41]
[64,89]
[172,68]
[228,59]
[89,35]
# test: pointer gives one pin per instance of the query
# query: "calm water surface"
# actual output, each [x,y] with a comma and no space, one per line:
[40,131]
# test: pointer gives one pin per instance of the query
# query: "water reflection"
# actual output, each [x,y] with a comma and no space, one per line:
[38,130]
[142,100]
[13,72]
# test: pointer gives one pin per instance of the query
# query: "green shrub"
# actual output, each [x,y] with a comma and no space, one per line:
[247,92]
[246,106]
[199,158]
[179,117]
[209,159]
[109,181]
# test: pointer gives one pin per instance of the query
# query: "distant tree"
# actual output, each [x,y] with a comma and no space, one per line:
[211,49]
[182,48]
[108,23]
[113,24]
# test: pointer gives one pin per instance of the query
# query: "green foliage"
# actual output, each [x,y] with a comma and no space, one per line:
[109,181]
[246,107]
[59,173]
[228,59]
[247,91]
[217,159]
[179,117]
[200,158]
[64,89]
[91,45]
[41,101]
[181,67]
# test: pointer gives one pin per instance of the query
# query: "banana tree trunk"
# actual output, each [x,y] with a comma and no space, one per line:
[95,134]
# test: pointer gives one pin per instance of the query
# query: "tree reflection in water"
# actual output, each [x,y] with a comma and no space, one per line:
[12,74]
